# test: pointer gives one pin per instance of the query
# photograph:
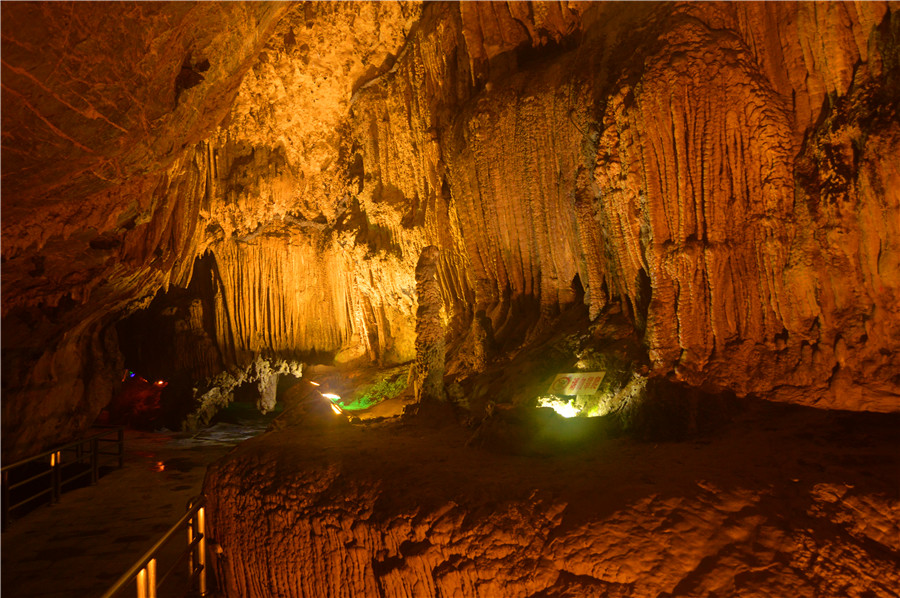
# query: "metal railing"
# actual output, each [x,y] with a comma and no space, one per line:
[144,570]
[59,474]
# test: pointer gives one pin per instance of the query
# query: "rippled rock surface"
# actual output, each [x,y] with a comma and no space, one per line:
[785,501]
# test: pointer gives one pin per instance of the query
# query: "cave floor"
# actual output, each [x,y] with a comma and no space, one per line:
[80,546]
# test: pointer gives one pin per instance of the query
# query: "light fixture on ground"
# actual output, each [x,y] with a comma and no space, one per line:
[333,398]
[573,394]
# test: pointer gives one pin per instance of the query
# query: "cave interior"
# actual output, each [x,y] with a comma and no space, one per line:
[541,298]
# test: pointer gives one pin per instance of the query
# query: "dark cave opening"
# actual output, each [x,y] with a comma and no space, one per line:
[172,341]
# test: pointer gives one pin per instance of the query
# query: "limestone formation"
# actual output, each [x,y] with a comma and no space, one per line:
[482,340]
[214,393]
[430,331]
[698,197]
[384,511]
[99,186]
[724,172]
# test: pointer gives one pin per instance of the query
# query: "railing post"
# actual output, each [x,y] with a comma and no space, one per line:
[151,579]
[142,583]
[145,569]
[190,534]
[201,548]
[55,476]
[95,460]
[120,436]
[5,499]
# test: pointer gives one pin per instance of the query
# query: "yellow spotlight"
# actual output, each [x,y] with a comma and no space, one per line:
[332,398]
[313,383]
[561,407]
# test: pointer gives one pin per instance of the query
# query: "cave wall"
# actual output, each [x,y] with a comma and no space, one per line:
[100,193]
[736,174]
[764,278]
[720,158]
[726,172]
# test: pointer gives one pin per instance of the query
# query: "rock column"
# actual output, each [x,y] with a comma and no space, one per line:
[267,385]
[429,375]
[483,340]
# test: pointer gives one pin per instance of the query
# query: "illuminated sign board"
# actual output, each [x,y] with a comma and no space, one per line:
[579,383]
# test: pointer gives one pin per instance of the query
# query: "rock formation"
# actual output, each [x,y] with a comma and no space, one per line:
[726,173]
[386,511]
[101,190]
[693,196]
[430,332]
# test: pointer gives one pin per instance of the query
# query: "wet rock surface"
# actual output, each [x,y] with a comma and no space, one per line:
[79,547]
[783,501]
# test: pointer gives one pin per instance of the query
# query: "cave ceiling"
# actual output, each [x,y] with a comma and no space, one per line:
[726,174]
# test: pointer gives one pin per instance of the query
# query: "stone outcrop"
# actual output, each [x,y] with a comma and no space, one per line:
[724,172]
[209,396]
[386,511]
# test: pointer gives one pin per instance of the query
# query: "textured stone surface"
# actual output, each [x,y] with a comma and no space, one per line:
[637,175]
[390,511]
[430,332]
[758,273]
[100,189]
[725,172]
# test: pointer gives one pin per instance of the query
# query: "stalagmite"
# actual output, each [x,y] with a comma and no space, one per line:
[430,331]
[483,341]
[723,180]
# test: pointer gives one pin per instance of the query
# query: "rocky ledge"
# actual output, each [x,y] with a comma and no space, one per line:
[783,501]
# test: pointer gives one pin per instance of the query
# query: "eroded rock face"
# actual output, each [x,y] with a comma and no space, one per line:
[725,172]
[761,276]
[664,157]
[385,511]
[100,187]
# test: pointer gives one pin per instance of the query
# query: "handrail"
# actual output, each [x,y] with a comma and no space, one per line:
[144,569]
[55,472]
[63,447]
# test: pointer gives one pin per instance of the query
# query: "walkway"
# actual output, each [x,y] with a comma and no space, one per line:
[79,547]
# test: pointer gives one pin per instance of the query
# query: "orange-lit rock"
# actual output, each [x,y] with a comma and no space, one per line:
[387,511]
[100,189]
[725,172]
[430,331]
[759,247]
[695,197]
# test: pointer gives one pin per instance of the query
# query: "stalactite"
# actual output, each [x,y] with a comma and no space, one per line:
[723,171]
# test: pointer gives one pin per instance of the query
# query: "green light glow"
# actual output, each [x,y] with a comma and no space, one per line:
[580,405]
[369,396]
